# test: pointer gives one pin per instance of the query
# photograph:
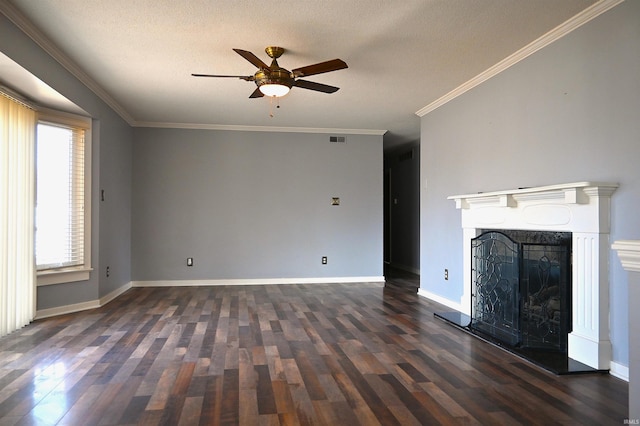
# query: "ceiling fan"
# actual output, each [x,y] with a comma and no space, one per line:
[273,80]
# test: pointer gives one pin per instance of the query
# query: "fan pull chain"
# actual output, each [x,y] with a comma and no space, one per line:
[271,98]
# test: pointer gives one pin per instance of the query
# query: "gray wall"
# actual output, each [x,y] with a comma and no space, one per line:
[570,112]
[255,205]
[403,207]
[111,169]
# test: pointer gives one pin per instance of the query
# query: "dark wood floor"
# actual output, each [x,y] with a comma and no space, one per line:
[336,354]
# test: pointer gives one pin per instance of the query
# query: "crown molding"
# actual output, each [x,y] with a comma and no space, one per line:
[27,27]
[240,128]
[558,32]
[18,19]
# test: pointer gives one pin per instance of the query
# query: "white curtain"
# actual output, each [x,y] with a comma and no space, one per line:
[17,211]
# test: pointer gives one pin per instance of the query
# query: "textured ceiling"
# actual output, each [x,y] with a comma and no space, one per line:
[402,54]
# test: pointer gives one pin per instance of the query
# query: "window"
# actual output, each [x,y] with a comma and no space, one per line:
[63,249]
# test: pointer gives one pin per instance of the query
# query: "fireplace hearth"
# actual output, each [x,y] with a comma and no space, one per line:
[520,295]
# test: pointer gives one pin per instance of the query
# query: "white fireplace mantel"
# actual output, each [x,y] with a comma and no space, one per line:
[582,208]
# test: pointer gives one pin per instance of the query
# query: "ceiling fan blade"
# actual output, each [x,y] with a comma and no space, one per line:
[252,58]
[327,66]
[241,77]
[256,94]
[318,87]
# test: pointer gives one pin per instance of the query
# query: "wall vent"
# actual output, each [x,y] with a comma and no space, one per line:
[338,139]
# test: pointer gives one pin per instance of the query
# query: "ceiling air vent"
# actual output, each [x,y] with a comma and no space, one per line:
[337,139]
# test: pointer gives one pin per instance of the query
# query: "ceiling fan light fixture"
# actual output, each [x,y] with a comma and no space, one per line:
[274,81]
[274,89]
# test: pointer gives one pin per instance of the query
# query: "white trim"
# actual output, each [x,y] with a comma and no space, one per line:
[52,276]
[583,208]
[620,371]
[20,21]
[441,300]
[62,117]
[555,34]
[81,272]
[233,127]
[26,26]
[257,281]
[67,309]
[93,304]
[82,306]
[569,193]
[629,254]
[115,293]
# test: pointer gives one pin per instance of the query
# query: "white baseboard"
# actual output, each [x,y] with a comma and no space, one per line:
[441,300]
[83,306]
[257,281]
[620,371]
[115,293]
[67,309]
[92,304]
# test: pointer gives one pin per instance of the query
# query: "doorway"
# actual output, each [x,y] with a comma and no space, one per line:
[402,211]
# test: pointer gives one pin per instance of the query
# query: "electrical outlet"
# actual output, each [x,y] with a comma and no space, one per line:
[189,261]
[446,274]
[324,260]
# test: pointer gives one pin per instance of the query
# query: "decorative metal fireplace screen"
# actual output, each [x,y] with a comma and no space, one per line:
[521,288]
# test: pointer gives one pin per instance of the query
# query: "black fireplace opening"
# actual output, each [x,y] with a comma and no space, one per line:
[521,288]
[521,296]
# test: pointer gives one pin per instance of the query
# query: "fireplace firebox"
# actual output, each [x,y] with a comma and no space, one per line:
[520,294]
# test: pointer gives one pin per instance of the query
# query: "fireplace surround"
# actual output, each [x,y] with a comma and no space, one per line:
[581,208]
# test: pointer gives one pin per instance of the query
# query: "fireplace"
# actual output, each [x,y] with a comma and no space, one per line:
[520,282]
[582,209]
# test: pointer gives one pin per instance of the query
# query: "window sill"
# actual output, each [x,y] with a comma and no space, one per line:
[59,276]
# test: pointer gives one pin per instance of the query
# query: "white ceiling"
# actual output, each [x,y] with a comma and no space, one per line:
[402,54]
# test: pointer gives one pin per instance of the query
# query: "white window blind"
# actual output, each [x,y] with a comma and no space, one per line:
[60,196]
[17,187]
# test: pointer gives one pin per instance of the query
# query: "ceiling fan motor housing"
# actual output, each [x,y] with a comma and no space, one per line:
[274,76]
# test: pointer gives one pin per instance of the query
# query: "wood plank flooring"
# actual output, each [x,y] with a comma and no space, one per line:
[334,354]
